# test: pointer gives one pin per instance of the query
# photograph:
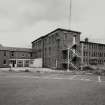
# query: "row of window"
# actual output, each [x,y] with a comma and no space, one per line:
[37,44]
[94,46]
[38,53]
[94,54]
[49,61]
[5,53]
[47,40]
[87,61]
[12,54]
[48,50]
[51,39]
[19,62]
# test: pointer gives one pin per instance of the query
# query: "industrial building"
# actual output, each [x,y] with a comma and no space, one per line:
[62,49]
[52,49]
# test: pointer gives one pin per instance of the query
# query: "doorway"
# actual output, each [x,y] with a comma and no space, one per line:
[13,62]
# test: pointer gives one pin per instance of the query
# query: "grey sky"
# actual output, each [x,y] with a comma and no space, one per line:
[22,21]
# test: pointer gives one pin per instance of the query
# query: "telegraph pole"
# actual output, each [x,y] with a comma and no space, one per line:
[68,49]
[70,13]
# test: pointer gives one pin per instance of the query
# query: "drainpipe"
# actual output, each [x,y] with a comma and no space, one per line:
[68,59]
[82,56]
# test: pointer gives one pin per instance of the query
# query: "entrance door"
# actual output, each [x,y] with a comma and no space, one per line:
[13,62]
[64,65]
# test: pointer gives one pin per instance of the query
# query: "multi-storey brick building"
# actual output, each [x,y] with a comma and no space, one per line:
[53,48]
[92,53]
[60,45]
[17,57]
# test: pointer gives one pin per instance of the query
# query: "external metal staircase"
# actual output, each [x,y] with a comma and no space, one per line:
[71,55]
[74,56]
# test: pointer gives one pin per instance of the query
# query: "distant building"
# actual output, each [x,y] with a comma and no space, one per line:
[53,49]
[16,57]
[92,53]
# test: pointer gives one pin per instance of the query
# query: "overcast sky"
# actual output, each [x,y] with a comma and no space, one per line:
[22,21]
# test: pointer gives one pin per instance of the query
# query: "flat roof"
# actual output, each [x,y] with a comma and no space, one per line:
[3,48]
[67,30]
[92,43]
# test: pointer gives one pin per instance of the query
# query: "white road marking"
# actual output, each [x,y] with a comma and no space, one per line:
[72,77]
[87,80]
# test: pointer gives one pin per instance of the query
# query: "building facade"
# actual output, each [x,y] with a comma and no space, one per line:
[59,49]
[15,57]
[53,49]
[62,49]
[92,53]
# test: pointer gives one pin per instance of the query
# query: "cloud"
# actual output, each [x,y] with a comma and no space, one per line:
[30,19]
[27,12]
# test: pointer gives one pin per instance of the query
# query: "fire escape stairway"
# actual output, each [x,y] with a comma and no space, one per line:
[74,56]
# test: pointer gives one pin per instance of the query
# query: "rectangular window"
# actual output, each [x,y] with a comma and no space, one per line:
[23,55]
[84,53]
[45,51]
[4,62]
[31,54]
[19,63]
[49,50]
[65,37]
[12,53]
[58,43]
[4,53]
[65,54]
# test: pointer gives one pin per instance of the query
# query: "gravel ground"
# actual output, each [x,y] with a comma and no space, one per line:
[22,89]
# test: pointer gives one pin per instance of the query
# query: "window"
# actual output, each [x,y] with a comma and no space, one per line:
[89,54]
[4,62]
[93,54]
[65,54]
[4,53]
[58,43]
[65,37]
[84,53]
[49,50]
[12,53]
[45,51]
[23,55]
[31,54]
